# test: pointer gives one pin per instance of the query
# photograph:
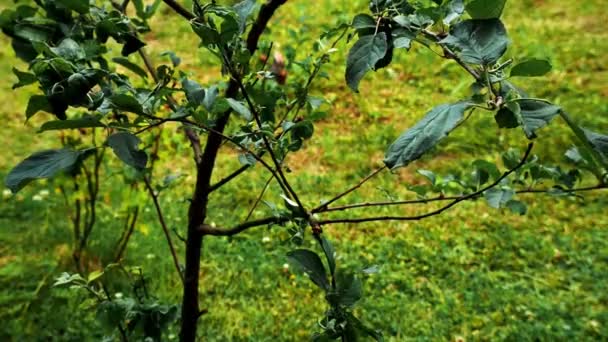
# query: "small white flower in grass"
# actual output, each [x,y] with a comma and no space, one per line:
[150,256]
[43,192]
[6,193]
[285,266]
[266,239]
[118,295]
[37,198]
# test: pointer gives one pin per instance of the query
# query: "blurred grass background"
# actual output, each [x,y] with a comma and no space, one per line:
[474,273]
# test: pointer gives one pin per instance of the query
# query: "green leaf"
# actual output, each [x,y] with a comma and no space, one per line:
[69,49]
[80,6]
[195,94]
[505,118]
[454,8]
[363,56]
[485,9]
[126,103]
[349,289]
[498,197]
[175,60]
[535,114]
[599,142]
[416,141]
[25,78]
[125,146]
[244,9]
[38,103]
[311,263]
[44,164]
[478,41]
[517,207]
[94,275]
[328,249]
[364,24]
[240,108]
[531,68]
[85,122]
[131,44]
[430,175]
[125,62]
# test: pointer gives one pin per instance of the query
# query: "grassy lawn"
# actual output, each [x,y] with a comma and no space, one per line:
[473,273]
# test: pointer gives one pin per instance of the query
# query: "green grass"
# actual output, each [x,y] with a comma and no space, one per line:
[473,273]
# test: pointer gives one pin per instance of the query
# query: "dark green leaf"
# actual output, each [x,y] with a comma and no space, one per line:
[126,103]
[349,289]
[416,141]
[310,262]
[478,41]
[131,44]
[328,249]
[531,68]
[86,122]
[125,146]
[535,114]
[363,56]
[505,118]
[80,6]
[125,62]
[486,9]
[364,24]
[44,164]
[25,78]
[38,103]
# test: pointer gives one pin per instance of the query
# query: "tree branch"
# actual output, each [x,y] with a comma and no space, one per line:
[179,9]
[438,211]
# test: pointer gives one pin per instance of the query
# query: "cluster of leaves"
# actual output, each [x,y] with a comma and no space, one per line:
[477,39]
[137,316]
[342,291]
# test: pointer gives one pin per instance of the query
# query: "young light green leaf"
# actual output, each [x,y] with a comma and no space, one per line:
[125,146]
[240,108]
[429,131]
[535,114]
[363,56]
[478,41]
[531,68]
[311,263]
[485,9]
[44,164]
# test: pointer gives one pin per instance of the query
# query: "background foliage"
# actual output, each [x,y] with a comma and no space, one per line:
[472,273]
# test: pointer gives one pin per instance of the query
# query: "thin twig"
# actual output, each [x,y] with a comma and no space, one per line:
[215,231]
[438,211]
[348,191]
[257,201]
[161,219]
